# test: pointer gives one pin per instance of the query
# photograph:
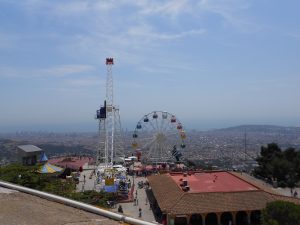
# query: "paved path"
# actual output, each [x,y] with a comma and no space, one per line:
[279,190]
[86,181]
[131,209]
[287,191]
[6,191]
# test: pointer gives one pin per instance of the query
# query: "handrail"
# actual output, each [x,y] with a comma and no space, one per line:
[76,204]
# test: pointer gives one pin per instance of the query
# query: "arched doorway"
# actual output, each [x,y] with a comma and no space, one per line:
[226,218]
[180,220]
[211,219]
[255,217]
[241,218]
[196,219]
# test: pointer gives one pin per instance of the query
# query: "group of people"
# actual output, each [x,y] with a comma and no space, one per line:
[120,210]
[135,203]
[294,193]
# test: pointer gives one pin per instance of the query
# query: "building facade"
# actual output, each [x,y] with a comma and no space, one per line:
[210,198]
[29,154]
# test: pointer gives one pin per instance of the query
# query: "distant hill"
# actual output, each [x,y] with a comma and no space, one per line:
[260,128]
[8,150]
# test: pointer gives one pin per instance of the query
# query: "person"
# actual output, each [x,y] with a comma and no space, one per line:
[140,212]
[295,194]
[120,209]
[84,178]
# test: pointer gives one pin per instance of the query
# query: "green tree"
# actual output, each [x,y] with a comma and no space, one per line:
[275,164]
[267,155]
[281,213]
[29,177]
[22,175]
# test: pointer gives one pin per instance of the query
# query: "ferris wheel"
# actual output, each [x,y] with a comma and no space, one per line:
[159,137]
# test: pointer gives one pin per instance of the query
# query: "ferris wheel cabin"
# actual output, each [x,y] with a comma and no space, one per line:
[164,115]
[173,119]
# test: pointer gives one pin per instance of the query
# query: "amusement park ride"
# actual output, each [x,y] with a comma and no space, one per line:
[159,138]
[110,149]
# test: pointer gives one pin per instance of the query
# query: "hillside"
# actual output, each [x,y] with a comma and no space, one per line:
[261,128]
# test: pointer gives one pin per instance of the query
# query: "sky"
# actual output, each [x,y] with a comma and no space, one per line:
[212,63]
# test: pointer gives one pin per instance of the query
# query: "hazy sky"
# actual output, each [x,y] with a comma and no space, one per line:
[213,63]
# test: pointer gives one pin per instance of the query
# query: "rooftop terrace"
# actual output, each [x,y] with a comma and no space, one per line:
[212,182]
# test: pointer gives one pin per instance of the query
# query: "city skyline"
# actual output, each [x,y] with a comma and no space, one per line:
[213,63]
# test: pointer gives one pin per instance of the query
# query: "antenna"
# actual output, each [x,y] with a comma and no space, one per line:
[245,145]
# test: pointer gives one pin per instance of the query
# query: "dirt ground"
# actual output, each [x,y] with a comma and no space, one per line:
[18,208]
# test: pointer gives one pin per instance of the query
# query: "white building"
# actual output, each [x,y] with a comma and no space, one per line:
[29,154]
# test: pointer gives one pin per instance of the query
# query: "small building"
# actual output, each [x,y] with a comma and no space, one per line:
[210,198]
[29,155]
[73,162]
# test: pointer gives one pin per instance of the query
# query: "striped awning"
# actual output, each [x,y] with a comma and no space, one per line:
[49,168]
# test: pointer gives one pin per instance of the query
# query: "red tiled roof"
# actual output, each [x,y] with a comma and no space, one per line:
[220,202]
[172,199]
[71,162]
[166,192]
[260,185]
[213,182]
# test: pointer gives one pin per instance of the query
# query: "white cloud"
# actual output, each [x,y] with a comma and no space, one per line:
[6,41]
[145,7]
[147,33]
[130,85]
[85,82]
[170,8]
[295,35]
[74,7]
[65,70]
[170,68]
[56,71]
[9,72]
[232,12]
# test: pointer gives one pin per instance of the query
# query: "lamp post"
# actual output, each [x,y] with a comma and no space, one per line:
[132,159]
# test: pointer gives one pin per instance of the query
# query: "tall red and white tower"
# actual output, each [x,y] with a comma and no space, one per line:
[110,149]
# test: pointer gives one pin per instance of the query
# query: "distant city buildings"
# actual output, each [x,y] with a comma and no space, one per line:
[225,149]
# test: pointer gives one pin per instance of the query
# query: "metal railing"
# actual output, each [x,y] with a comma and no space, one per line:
[76,204]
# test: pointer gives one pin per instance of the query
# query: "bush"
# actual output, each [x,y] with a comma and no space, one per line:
[281,213]
[29,177]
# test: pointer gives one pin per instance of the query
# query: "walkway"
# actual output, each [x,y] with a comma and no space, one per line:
[279,190]
[129,208]
[86,180]
[132,209]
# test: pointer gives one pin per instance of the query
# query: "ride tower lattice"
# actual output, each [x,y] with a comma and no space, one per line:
[110,149]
